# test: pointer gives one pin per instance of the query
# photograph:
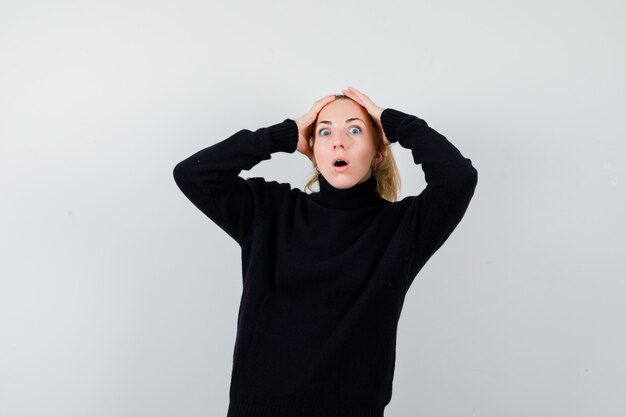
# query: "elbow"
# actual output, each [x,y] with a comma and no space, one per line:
[180,172]
[473,174]
[470,176]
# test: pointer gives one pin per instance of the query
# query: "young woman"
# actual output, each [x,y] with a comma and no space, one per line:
[325,273]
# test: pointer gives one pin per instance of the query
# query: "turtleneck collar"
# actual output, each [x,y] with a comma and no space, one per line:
[359,195]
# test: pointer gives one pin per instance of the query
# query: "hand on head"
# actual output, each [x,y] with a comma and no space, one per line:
[305,126]
[374,110]
[305,122]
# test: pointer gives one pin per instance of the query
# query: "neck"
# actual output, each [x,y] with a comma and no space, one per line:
[359,195]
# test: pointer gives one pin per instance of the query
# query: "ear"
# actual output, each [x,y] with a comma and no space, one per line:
[383,149]
[311,154]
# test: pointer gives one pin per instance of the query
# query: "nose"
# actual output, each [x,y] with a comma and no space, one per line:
[337,140]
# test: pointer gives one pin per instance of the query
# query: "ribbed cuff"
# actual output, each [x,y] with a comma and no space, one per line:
[284,136]
[391,120]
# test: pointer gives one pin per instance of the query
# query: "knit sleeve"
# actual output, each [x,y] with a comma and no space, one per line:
[210,178]
[451,180]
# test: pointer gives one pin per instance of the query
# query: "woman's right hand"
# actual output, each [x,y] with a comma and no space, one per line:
[305,126]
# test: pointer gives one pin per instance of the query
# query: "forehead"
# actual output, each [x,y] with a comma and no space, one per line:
[340,110]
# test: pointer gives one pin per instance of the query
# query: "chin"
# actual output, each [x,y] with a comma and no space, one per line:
[342,181]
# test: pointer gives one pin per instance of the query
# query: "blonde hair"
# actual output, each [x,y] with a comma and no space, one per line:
[386,172]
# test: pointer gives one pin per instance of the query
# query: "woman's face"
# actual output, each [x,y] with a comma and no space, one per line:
[344,131]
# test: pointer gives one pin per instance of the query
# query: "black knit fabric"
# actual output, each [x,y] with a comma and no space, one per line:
[324,274]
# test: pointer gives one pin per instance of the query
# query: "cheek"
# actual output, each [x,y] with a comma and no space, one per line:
[365,155]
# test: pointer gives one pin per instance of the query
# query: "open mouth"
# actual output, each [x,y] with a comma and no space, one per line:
[340,165]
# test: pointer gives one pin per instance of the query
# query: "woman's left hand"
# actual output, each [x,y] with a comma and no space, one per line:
[371,108]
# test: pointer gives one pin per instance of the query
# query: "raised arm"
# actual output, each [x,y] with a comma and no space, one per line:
[210,178]
[451,180]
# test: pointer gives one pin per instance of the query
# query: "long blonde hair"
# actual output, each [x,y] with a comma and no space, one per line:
[386,172]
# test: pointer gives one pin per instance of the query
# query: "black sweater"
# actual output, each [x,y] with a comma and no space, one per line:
[324,274]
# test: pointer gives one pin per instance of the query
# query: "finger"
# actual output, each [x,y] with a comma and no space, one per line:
[360,98]
[325,98]
[321,103]
[350,91]
[353,96]
[328,99]
[357,91]
[369,106]
[364,96]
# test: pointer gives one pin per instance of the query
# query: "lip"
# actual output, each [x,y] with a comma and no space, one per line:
[341,168]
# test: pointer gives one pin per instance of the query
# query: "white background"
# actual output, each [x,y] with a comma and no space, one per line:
[119,298]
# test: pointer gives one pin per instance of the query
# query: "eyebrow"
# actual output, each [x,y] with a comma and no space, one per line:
[348,120]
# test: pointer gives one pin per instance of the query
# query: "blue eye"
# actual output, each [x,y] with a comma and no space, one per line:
[353,127]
